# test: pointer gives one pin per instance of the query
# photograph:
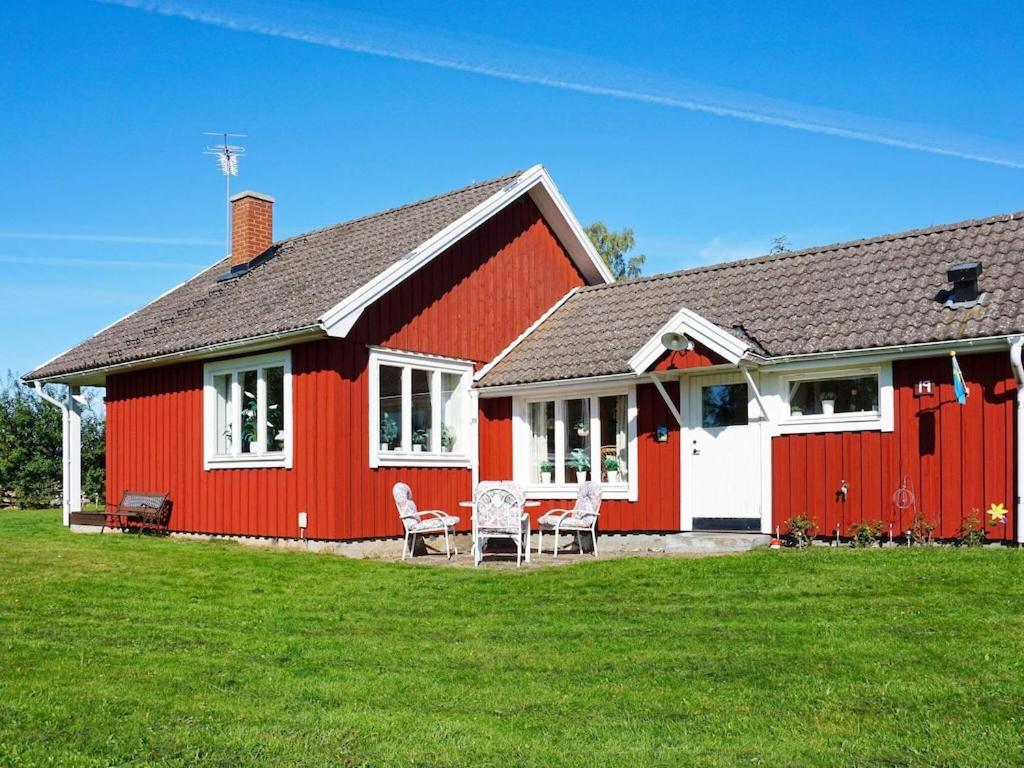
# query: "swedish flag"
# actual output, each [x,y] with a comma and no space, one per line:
[959,385]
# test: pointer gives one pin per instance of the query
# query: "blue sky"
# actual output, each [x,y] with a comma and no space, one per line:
[708,128]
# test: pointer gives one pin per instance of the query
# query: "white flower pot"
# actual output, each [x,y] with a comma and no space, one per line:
[581,477]
[828,407]
[383,447]
[613,475]
[582,432]
[545,477]
[417,448]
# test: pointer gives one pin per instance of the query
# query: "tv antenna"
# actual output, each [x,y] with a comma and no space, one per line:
[227,160]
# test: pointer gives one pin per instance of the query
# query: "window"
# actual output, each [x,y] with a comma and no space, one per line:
[247,412]
[723,405]
[418,410]
[561,441]
[576,454]
[837,399]
[614,430]
[830,396]
[390,408]
[541,417]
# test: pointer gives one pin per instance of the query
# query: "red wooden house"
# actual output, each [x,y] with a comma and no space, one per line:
[477,335]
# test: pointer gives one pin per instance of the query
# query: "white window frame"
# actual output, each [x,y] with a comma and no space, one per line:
[405,456]
[882,419]
[561,488]
[258,458]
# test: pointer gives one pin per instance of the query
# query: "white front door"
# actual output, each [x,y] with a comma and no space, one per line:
[722,455]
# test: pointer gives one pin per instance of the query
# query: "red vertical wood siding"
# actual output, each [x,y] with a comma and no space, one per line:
[495,438]
[698,357]
[657,507]
[156,443]
[465,306]
[956,458]
[470,303]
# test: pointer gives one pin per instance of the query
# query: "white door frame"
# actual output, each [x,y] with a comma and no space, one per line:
[687,432]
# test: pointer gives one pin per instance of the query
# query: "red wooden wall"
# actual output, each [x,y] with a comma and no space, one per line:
[956,458]
[470,302]
[698,357]
[657,507]
[463,306]
[154,432]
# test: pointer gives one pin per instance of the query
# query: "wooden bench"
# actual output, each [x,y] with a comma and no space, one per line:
[139,512]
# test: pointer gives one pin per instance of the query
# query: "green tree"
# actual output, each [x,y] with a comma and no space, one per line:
[614,248]
[30,447]
[94,453]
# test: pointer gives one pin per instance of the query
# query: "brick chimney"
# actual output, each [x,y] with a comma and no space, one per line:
[252,226]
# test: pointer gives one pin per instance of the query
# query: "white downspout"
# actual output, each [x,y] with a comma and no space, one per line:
[474,449]
[71,450]
[1016,348]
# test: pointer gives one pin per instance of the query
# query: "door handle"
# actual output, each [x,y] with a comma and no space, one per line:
[696,450]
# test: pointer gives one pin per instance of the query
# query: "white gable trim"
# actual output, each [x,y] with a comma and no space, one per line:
[339,319]
[697,328]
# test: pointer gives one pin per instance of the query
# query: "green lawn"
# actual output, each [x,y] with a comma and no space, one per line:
[117,650]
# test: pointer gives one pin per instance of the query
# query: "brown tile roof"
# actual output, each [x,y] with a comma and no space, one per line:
[879,291]
[297,280]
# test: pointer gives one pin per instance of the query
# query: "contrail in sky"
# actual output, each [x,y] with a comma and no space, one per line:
[57,261]
[559,69]
[133,239]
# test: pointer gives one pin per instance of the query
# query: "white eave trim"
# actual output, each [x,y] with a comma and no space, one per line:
[893,352]
[818,361]
[695,327]
[339,319]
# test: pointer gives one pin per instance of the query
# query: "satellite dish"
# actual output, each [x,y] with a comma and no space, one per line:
[676,342]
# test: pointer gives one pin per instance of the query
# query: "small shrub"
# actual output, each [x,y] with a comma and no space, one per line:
[972,532]
[801,530]
[866,533]
[921,530]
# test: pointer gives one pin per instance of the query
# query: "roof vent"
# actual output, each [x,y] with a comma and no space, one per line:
[964,277]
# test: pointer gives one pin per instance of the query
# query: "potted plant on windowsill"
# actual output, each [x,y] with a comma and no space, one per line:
[447,439]
[388,431]
[580,461]
[546,467]
[582,428]
[827,398]
[611,469]
[420,438]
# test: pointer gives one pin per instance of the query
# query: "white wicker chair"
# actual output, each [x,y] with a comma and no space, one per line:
[582,517]
[419,522]
[498,514]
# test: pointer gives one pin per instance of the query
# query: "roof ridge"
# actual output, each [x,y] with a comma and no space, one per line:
[828,248]
[395,209]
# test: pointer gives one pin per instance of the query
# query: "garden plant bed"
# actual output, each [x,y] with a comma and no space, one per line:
[125,650]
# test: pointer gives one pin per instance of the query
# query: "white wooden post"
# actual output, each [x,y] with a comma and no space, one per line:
[72,444]
[71,449]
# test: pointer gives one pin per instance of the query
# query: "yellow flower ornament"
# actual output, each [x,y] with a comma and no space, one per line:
[997,514]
